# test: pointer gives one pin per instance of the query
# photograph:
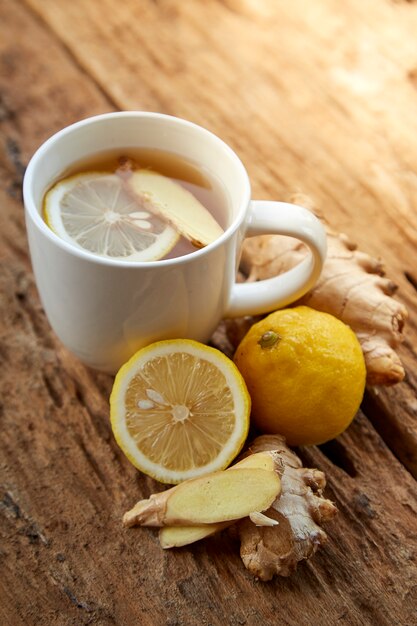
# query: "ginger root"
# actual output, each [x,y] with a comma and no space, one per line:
[299,511]
[352,287]
[217,497]
[271,543]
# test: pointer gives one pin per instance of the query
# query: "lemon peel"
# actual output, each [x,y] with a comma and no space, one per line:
[308,384]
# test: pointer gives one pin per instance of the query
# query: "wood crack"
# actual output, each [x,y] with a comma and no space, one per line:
[14,154]
[338,454]
[394,430]
[412,279]
[78,603]
[55,394]
[91,460]
[24,524]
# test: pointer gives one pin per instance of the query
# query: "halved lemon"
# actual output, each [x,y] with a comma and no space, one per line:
[97,211]
[179,409]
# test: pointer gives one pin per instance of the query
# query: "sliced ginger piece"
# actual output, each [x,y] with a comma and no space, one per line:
[217,497]
[178,536]
[267,460]
[176,205]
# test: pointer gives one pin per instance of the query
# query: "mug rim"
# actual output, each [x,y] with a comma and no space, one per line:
[37,219]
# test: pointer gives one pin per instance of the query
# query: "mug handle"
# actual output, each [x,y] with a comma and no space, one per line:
[280,218]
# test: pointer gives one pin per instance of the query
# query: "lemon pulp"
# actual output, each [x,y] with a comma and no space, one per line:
[179,409]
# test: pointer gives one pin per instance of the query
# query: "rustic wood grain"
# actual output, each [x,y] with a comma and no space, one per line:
[317,99]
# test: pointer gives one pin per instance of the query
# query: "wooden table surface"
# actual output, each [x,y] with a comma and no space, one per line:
[317,98]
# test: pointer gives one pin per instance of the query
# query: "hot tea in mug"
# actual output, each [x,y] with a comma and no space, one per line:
[135,223]
[137,205]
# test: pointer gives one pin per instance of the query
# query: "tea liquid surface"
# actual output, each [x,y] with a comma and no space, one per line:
[123,162]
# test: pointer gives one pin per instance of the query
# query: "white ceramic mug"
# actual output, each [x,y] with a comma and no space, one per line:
[104,310]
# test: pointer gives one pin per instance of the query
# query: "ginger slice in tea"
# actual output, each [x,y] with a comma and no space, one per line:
[176,205]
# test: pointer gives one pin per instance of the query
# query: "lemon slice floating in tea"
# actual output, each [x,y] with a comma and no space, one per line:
[179,409]
[98,212]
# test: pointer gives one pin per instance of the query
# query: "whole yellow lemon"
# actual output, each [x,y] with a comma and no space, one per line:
[305,373]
